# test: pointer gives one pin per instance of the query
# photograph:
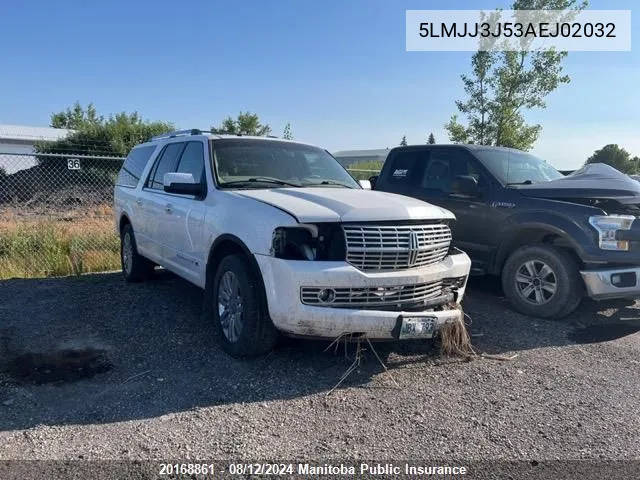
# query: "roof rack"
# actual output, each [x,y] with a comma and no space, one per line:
[178,133]
[197,131]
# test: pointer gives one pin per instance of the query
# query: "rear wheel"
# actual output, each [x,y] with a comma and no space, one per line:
[542,281]
[238,309]
[135,267]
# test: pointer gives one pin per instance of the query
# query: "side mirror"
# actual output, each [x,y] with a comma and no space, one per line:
[182,184]
[465,185]
[366,184]
[372,181]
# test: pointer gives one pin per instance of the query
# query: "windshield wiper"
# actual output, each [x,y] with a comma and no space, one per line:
[526,182]
[327,182]
[275,181]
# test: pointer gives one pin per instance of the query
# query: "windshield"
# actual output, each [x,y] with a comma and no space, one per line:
[255,163]
[513,167]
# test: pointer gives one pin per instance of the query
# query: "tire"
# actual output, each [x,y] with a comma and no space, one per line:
[542,281]
[238,309]
[135,267]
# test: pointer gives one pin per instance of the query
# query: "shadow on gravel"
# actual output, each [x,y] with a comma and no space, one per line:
[92,349]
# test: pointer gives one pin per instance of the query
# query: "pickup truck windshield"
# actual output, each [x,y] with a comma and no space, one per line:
[256,163]
[513,167]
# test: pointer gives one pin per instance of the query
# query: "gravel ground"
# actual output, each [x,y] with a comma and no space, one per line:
[165,390]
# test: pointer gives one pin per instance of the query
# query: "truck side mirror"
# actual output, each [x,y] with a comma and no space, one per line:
[373,180]
[465,185]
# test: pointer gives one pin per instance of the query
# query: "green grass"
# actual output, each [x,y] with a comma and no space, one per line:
[360,175]
[50,248]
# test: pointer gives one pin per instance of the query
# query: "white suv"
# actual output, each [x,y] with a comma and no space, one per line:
[283,240]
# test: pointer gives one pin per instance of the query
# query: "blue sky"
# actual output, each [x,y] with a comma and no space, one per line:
[337,70]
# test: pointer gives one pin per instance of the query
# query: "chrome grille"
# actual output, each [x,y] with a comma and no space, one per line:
[397,247]
[400,297]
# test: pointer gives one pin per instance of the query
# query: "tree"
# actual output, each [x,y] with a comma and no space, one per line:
[96,136]
[504,84]
[76,117]
[287,132]
[403,142]
[245,124]
[432,139]
[616,157]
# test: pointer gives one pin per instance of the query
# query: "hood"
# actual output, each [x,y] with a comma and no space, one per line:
[593,181]
[318,204]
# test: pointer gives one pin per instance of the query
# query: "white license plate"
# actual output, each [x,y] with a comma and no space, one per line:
[417,327]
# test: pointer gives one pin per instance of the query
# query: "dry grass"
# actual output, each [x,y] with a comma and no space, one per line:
[56,245]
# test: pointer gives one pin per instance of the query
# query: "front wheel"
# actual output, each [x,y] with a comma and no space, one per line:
[238,311]
[542,281]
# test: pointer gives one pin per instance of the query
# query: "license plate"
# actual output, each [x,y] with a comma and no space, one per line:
[417,327]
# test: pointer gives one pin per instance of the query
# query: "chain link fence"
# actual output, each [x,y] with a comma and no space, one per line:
[55,214]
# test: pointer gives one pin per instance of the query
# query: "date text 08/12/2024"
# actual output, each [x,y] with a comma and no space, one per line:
[517,30]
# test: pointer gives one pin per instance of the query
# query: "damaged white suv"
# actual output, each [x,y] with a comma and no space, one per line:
[283,240]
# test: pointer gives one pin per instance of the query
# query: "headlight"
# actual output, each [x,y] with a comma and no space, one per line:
[607,226]
[293,243]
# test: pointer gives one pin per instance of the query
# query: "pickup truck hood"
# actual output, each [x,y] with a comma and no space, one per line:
[594,181]
[320,204]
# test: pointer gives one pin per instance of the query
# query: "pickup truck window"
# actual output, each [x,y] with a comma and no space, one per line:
[248,163]
[406,167]
[513,167]
[444,166]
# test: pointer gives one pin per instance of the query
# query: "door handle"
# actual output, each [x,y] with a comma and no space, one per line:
[168,208]
[139,201]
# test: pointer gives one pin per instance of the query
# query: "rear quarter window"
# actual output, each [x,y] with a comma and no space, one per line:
[133,166]
[405,168]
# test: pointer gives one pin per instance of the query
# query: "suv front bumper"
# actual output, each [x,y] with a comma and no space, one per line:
[284,279]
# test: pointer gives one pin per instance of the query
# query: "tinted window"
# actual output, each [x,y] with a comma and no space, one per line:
[133,166]
[406,167]
[192,160]
[444,166]
[167,163]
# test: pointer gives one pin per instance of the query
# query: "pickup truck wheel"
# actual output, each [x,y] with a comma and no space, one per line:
[238,310]
[135,267]
[542,281]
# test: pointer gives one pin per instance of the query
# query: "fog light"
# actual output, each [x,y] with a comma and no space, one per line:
[327,295]
[622,280]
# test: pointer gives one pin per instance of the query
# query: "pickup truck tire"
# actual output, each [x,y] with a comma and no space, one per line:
[238,309]
[542,281]
[135,267]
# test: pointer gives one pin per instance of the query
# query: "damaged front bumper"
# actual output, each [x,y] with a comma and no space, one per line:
[333,299]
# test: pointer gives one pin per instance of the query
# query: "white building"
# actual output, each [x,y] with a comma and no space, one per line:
[17,141]
[352,157]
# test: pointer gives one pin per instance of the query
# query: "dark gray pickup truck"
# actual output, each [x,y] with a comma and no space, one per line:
[553,239]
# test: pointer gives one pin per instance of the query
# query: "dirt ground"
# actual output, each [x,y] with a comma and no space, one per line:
[98,369]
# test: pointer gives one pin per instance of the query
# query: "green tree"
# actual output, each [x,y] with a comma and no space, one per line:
[431,139]
[246,123]
[616,157]
[287,132]
[403,142]
[94,135]
[504,84]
